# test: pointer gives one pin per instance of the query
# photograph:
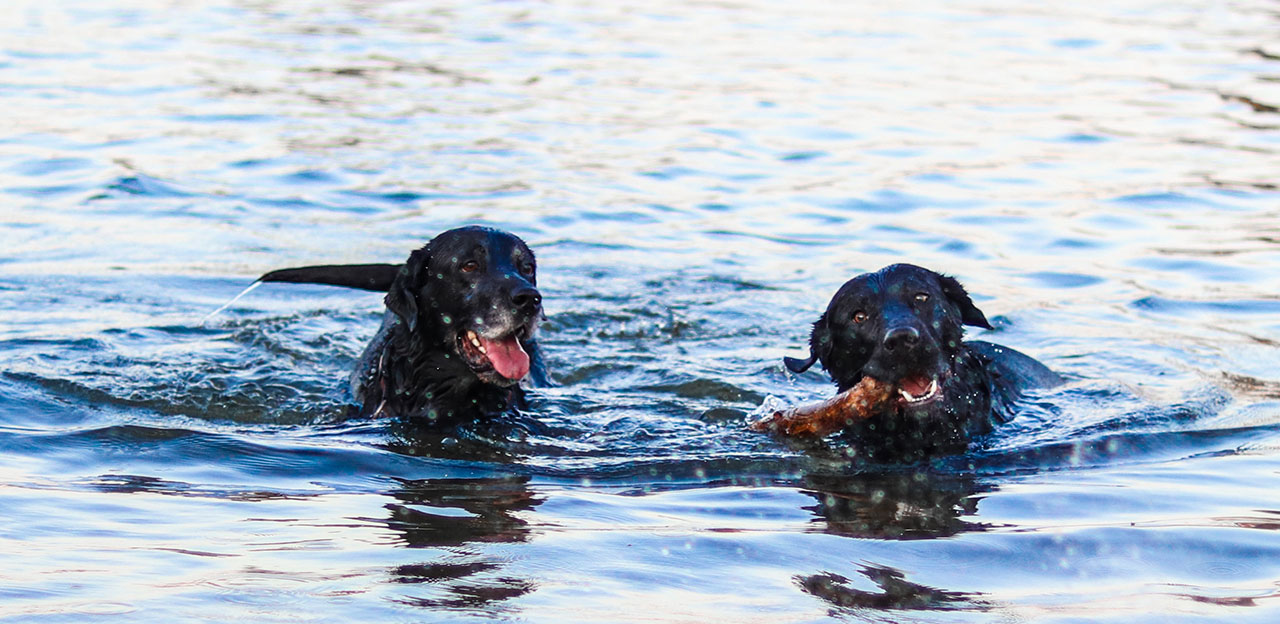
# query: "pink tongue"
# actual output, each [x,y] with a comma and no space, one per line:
[917,386]
[507,357]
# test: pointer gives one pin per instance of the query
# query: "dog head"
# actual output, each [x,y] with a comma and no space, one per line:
[902,325]
[472,292]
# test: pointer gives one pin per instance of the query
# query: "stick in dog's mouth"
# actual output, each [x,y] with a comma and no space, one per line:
[820,419]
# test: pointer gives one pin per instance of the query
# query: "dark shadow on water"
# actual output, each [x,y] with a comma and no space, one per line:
[445,516]
[135,484]
[895,593]
[896,505]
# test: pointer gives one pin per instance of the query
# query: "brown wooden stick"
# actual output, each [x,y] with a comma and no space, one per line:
[838,412]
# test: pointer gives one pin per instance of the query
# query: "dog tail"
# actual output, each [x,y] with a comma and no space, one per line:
[375,277]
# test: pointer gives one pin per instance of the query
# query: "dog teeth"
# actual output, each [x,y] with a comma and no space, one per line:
[928,393]
[475,342]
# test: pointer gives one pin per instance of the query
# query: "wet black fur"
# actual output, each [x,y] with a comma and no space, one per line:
[413,367]
[914,324]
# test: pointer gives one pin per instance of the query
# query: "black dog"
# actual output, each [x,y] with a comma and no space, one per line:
[458,334]
[903,325]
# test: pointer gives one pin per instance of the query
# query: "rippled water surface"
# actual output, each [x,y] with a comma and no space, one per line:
[697,179]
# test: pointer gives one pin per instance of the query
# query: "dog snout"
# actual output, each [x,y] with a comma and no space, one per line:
[526,299]
[901,338]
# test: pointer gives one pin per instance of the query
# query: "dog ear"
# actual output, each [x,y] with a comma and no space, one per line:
[956,294]
[402,296]
[819,343]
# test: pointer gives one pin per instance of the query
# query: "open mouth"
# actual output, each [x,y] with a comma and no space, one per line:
[918,389]
[503,355]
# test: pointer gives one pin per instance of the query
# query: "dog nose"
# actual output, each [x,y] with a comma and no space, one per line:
[901,337]
[527,299]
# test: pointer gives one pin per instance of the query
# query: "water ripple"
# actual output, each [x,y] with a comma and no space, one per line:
[1101,177]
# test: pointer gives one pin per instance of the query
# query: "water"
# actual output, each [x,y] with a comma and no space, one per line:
[697,179]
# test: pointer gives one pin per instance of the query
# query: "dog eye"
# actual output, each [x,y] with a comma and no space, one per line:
[469,266]
[859,316]
[526,270]
[922,297]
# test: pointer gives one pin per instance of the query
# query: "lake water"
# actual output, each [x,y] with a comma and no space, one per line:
[697,178]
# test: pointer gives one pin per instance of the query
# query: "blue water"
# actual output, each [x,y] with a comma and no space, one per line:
[697,180]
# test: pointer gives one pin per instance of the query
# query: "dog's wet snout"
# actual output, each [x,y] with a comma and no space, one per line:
[526,299]
[904,337]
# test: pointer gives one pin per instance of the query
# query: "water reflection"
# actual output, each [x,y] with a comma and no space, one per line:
[899,505]
[451,518]
[896,593]
[694,200]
